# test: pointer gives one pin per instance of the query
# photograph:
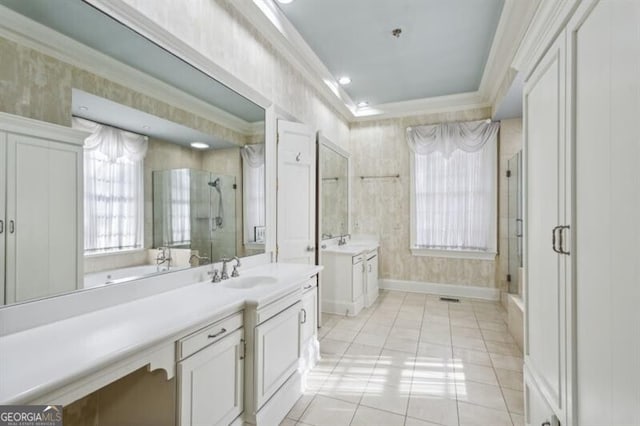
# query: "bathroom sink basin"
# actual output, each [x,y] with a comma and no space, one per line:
[244,283]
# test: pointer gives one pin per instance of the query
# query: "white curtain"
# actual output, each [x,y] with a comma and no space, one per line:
[455,175]
[113,187]
[253,176]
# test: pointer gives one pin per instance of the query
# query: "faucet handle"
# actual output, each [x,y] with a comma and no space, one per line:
[215,276]
[235,272]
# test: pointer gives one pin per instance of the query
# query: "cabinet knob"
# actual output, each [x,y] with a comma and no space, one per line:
[310,249]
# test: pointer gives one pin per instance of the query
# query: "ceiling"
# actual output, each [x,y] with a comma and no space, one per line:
[87,25]
[442,50]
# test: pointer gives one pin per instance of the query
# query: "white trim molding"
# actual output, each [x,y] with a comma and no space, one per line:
[468,291]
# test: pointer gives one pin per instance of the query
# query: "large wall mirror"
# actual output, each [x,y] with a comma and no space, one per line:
[174,170]
[334,189]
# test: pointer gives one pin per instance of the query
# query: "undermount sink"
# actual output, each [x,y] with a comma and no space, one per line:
[245,283]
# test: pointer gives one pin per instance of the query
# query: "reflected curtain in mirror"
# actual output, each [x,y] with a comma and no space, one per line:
[113,187]
[253,173]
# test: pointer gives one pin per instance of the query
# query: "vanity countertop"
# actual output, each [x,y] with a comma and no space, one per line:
[352,248]
[39,360]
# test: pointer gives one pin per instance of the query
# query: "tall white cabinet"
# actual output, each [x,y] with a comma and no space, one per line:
[41,198]
[582,104]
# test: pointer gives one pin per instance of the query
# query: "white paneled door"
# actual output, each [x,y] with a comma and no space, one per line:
[296,193]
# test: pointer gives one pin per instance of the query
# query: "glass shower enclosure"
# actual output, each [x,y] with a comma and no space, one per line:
[515,222]
[195,209]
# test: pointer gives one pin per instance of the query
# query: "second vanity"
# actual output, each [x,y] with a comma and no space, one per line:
[350,277]
[238,349]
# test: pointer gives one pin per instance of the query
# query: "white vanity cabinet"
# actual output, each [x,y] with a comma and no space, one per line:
[41,205]
[349,280]
[211,374]
[309,311]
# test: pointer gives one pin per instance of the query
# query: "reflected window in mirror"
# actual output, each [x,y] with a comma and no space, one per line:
[113,187]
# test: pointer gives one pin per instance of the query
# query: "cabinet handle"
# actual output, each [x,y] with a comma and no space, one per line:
[304,316]
[519,231]
[12,227]
[546,424]
[298,157]
[221,332]
[369,267]
[307,287]
[561,243]
[1,226]
[553,239]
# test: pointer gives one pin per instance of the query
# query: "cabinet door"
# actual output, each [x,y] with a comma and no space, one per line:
[277,349]
[372,280]
[210,383]
[544,103]
[309,322]
[357,279]
[3,214]
[537,412]
[44,198]
[605,39]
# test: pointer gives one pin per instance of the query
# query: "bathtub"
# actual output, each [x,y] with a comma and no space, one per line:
[114,276]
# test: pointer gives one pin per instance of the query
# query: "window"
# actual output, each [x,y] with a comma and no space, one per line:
[113,188]
[453,191]
[254,193]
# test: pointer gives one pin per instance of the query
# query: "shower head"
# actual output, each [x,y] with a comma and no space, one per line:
[215,183]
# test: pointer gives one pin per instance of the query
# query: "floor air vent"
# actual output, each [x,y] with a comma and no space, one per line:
[450,299]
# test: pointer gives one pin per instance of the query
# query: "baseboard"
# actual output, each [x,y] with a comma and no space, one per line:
[342,308]
[472,292]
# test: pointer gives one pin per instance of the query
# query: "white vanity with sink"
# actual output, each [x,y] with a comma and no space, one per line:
[350,277]
[235,347]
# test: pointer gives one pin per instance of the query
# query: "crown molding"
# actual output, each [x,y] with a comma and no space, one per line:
[548,20]
[26,32]
[513,24]
[29,126]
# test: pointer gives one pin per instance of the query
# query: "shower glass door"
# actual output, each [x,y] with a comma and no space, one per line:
[515,224]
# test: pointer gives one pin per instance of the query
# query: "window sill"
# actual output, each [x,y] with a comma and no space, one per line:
[254,246]
[113,252]
[454,254]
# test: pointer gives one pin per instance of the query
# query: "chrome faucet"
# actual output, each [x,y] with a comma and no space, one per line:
[342,240]
[163,256]
[235,272]
[215,275]
[198,258]
[224,275]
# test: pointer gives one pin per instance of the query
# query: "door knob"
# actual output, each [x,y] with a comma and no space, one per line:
[310,248]
[298,157]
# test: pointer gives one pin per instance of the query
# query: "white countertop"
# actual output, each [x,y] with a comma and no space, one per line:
[352,248]
[37,361]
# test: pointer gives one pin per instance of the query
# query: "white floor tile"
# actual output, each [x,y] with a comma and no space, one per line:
[437,410]
[474,415]
[325,411]
[367,416]
[481,394]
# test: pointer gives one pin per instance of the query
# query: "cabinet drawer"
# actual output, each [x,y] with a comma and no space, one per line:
[359,258]
[208,335]
[275,308]
[309,284]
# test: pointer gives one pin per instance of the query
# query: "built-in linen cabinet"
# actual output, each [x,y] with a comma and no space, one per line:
[350,280]
[41,200]
[211,374]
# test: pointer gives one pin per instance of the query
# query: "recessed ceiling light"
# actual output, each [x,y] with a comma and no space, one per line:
[362,104]
[146,127]
[285,1]
[199,145]
[84,108]
[344,80]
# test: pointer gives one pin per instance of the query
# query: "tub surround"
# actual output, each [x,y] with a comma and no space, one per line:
[93,349]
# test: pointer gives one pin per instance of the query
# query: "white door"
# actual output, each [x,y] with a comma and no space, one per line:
[210,383]
[296,208]
[606,76]
[43,180]
[544,142]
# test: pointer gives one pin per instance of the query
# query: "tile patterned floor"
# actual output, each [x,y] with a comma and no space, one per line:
[413,360]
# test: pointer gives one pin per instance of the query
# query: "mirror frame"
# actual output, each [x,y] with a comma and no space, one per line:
[323,141]
[36,312]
